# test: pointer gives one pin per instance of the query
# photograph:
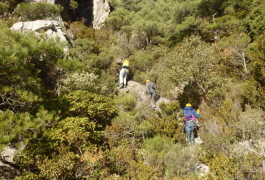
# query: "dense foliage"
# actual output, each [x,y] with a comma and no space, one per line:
[37,11]
[64,109]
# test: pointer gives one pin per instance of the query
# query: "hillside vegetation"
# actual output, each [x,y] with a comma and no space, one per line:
[66,110]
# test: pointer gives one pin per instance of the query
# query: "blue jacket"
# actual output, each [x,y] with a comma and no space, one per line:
[194,113]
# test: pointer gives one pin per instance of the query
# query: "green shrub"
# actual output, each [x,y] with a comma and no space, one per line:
[22,126]
[170,108]
[120,158]
[251,124]
[141,170]
[34,11]
[155,150]
[3,8]
[81,81]
[96,107]
[254,20]
[34,60]
[7,7]
[75,132]
[129,125]
[143,61]
[168,159]
[73,4]
[167,126]
[250,166]
[60,166]
[80,30]
[186,158]
[223,167]
[93,58]
[254,86]
[127,102]
[119,18]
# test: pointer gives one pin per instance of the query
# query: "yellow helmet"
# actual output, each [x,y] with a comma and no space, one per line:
[126,63]
[147,81]
[188,105]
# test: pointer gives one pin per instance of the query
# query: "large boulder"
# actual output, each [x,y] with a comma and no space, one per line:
[51,28]
[139,89]
[101,10]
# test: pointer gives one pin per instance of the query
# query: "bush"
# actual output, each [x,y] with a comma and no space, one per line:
[168,159]
[120,158]
[3,8]
[254,18]
[125,101]
[80,30]
[170,108]
[143,61]
[34,11]
[119,18]
[27,68]
[129,126]
[167,127]
[223,167]
[250,167]
[73,4]
[154,152]
[21,126]
[76,132]
[251,124]
[81,81]
[86,104]
[93,58]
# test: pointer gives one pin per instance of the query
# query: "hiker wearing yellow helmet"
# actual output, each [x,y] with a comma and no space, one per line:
[124,74]
[190,116]
[151,91]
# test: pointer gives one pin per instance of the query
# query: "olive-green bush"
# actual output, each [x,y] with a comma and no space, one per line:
[35,11]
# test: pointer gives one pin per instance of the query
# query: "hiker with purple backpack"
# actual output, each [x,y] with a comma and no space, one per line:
[190,122]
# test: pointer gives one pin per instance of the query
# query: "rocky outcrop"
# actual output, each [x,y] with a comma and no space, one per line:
[93,12]
[51,28]
[8,170]
[48,1]
[139,89]
[248,147]
[202,169]
[101,10]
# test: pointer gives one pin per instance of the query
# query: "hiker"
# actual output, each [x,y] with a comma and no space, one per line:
[190,122]
[124,74]
[151,91]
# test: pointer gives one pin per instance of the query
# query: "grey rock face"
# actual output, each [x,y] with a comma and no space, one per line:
[8,154]
[139,89]
[202,169]
[7,169]
[101,10]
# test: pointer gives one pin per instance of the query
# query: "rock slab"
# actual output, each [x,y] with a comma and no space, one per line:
[51,28]
[101,10]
